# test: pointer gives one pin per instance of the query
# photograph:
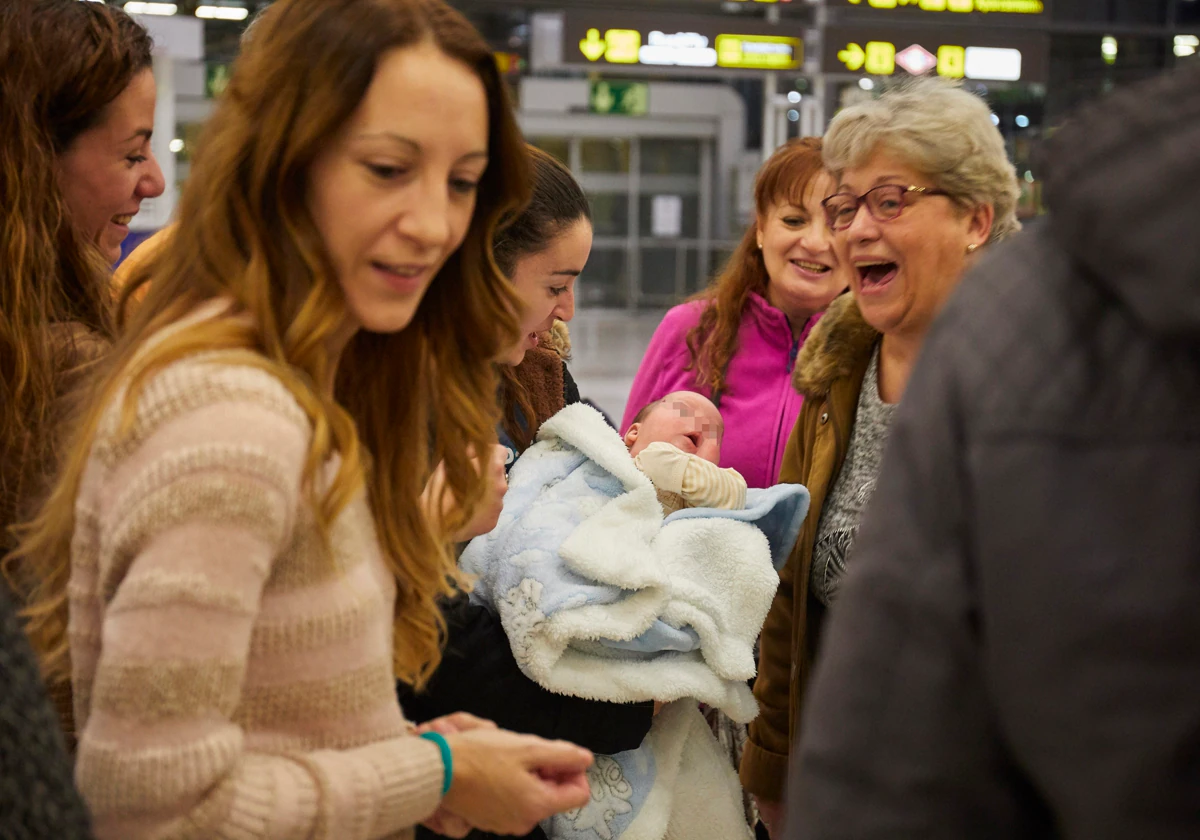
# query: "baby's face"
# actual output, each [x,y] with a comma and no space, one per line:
[685,420]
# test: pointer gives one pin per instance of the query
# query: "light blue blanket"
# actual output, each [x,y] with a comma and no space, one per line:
[603,598]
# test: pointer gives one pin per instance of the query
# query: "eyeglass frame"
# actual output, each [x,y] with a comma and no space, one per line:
[860,200]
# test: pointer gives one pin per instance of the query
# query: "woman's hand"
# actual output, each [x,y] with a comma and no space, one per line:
[443,822]
[507,783]
[456,722]
[488,514]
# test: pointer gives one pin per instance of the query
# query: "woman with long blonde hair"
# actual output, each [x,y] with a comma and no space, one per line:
[249,563]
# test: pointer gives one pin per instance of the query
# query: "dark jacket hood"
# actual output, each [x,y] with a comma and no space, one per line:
[1123,190]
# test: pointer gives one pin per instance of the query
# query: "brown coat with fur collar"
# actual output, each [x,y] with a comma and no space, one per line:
[829,372]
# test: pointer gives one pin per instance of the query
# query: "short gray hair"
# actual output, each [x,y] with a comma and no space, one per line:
[940,130]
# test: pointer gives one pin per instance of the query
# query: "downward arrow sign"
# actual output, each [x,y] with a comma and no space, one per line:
[593,46]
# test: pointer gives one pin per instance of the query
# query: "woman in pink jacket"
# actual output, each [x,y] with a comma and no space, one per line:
[736,342]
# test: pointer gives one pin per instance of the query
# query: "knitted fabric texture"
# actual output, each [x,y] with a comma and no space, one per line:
[233,671]
[37,799]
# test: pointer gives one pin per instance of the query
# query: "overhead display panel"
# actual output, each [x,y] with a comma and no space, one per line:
[606,38]
[998,54]
[950,8]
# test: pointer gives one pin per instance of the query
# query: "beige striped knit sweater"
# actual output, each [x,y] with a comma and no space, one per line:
[232,679]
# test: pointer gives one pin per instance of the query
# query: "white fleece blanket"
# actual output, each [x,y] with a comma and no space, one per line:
[602,598]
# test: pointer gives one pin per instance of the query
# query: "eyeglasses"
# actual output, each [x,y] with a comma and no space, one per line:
[884,203]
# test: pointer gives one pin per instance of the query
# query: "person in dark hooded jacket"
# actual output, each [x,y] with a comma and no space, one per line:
[1016,651]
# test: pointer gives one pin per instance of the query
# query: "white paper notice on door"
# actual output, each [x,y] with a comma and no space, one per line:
[666,216]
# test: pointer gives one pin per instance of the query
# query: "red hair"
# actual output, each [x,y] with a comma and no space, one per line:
[785,177]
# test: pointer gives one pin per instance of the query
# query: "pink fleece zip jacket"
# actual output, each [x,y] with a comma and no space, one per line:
[759,404]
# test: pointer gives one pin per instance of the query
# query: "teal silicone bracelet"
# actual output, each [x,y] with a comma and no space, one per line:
[447,759]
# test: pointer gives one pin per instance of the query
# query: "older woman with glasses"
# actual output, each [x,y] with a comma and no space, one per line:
[923,183]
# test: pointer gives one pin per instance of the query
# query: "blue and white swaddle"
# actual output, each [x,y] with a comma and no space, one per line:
[603,598]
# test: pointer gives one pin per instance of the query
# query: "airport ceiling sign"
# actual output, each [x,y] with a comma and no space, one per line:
[980,53]
[685,41]
[945,9]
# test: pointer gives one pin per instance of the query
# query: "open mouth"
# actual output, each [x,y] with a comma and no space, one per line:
[533,339]
[809,267]
[872,276]
[405,271]
[123,220]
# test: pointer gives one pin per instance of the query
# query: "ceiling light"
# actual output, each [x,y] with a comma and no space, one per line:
[138,8]
[222,12]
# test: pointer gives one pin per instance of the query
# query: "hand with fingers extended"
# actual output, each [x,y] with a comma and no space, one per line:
[507,783]
[488,514]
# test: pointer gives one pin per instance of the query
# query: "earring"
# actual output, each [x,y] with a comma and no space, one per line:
[760,244]
[972,248]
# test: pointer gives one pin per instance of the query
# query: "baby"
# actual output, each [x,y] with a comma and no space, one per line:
[676,442]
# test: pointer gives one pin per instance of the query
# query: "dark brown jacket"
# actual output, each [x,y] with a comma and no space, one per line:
[829,372]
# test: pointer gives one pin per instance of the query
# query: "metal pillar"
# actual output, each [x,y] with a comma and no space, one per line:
[812,112]
[771,136]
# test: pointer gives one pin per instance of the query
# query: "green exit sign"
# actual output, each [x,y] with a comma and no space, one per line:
[629,98]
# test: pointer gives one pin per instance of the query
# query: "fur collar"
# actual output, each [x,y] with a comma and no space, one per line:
[558,339]
[833,349]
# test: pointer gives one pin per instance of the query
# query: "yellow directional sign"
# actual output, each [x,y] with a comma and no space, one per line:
[759,52]
[593,46]
[880,58]
[618,46]
[623,45]
[1022,7]
[951,61]
[852,57]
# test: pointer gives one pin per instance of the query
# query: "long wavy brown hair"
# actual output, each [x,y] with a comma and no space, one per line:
[711,343]
[402,401]
[63,64]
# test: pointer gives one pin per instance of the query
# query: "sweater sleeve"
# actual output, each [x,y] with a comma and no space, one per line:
[699,482]
[195,515]
[663,368]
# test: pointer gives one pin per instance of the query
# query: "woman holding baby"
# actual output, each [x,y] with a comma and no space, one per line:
[542,251]
[922,183]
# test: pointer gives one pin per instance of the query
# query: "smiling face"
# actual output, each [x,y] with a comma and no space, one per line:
[904,270]
[394,194]
[804,271]
[545,282]
[108,170]
[686,420]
